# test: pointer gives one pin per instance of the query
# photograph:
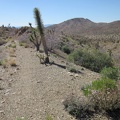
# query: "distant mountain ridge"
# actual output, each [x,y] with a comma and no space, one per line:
[84,26]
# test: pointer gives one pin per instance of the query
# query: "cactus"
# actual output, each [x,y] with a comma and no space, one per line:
[40,28]
[34,38]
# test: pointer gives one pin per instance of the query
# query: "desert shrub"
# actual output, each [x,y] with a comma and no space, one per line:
[103,94]
[111,72]
[21,43]
[94,61]
[100,97]
[4,63]
[78,107]
[22,118]
[49,117]
[12,45]
[66,49]
[12,62]
[73,70]
[100,84]
[2,42]
[1,62]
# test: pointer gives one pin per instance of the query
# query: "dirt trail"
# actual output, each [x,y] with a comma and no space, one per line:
[38,90]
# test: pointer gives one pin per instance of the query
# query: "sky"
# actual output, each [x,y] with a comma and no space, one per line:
[20,12]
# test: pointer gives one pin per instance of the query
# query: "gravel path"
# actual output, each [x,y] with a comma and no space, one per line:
[35,90]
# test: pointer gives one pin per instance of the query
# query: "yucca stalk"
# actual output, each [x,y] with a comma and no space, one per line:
[40,28]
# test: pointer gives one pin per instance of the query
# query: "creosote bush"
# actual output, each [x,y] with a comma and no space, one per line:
[94,61]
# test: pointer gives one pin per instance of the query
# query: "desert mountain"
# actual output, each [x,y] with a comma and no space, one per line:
[81,26]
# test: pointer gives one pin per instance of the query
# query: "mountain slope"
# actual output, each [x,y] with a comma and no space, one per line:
[83,26]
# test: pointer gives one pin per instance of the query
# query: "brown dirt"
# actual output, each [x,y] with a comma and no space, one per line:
[33,91]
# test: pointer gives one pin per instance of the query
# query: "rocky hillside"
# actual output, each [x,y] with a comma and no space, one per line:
[80,32]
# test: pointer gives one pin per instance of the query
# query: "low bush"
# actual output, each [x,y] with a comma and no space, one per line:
[12,62]
[111,72]
[94,61]
[100,97]
[99,85]
[66,49]
[1,62]
[49,117]
[104,94]
[12,45]
[78,107]
[2,42]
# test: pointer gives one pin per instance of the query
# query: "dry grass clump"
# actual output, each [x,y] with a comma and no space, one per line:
[12,62]
[12,52]
[12,45]
[24,44]
[4,63]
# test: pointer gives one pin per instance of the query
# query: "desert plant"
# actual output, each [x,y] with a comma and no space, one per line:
[34,37]
[40,28]
[66,49]
[94,61]
[2,42]
[1,62]
[13,45]
[4,63]
[49,117]
[22,118]
[12,62]
[111,72]
[103,94]
[21,43]
[100,84]
[79,107]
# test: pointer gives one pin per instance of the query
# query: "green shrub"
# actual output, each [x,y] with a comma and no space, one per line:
[1,62]
[21,119]
[111,72]
[103,94]
[100,84]
[12,45]
[66,49]
[21,43]
[94,61]
[49,117]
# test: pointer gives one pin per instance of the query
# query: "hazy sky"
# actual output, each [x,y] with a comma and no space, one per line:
[20,12]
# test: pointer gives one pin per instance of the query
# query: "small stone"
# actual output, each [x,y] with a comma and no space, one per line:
[10,80]
[82,68]
[18,69]
[76,75]
[2,111]
[2,101]
[11,74]
[70,74]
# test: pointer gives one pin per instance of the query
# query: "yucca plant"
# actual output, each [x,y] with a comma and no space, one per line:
[40,28]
